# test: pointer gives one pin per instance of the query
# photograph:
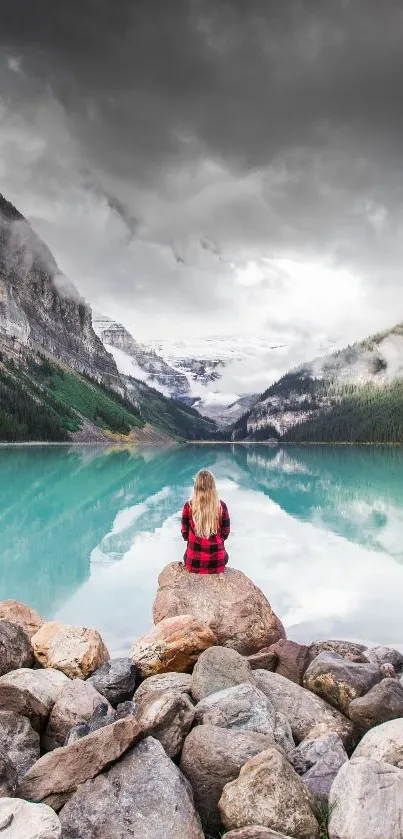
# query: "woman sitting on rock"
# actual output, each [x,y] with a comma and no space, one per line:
[205,527]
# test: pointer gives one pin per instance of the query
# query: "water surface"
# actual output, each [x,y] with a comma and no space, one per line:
[85,531]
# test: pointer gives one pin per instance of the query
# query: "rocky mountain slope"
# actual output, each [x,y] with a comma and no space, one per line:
[354,395]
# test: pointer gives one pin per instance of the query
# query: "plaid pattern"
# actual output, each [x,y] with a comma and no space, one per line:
[205,556]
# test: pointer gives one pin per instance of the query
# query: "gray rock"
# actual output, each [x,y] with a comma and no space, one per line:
[283,735]
[339,681]
[219,668]
[167,716]
[144,796]
[31,693]
[385,655]
[384,743]
[366,800]
[8,776]
[116,680]
[347,650]
[265,659]
[255,831]
[212,757]
[22,820]
[102,716]
[15,647]
[243,708]
[318,762]
[180,682]
[19,741]
[125,709]
[77,733]
[382,703]
[75,704]
[305,712]
[269,790]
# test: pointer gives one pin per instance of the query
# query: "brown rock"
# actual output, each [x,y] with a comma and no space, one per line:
[19,741]
[347,649]
[175,644]
[16,612]
[382,703]
[15,648]
[338,680]
[58,774]
[265,659]
[217,669]
[229,603]
[167,716]
[254,832]
[212,757]
[75,704]
[31,693]
[292,659]
[179,682]
[269,790]
[74,650]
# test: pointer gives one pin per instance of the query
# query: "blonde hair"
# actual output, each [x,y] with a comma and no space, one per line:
[205,504]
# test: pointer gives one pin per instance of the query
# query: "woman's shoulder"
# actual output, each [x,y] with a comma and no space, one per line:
[223,505]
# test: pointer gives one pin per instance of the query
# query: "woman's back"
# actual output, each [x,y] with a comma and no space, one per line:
[205,526]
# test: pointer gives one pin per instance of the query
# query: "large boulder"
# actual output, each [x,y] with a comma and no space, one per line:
[217,669]
[339,681]
[178,682]
[305,712]
[382,703]
[31,693]
[144,796]
[19,741]
[116,680]
[242,708]
[167,716]
[22,820]
[212,757]
[385,655]
[15,647]
[229,603]
[8,776]
[292,659]
[269,791]
[347,649]
[254,831]
[366,800]
[56,775]
[175,644]
[75,704]
[318,762]
[384,743]
[75,650]
[22,615]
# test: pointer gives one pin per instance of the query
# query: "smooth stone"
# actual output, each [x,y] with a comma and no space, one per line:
[8,776]
[22,820]
[19,613]
[144,796]
[384,743]
[211,757]
[175,644]
[269,790]
[382,703]
[241,708]
[167,716]
[265,659]
[56,775]
[255,831]
[366,800]
[179,682]
[305,711]
[318,762]
[292,659]
[75,650]
[217,669]
[116,680]
[234,608]
[19,740]
[74,705]
[15,648]
[385,655]
[31,693]
[347,649]
[339,681]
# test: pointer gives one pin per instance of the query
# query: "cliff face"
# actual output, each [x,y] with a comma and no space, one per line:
[40,308]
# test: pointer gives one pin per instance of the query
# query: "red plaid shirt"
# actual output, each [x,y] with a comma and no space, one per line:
[205,556]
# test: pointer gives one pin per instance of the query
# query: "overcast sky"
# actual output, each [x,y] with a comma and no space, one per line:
[213,166]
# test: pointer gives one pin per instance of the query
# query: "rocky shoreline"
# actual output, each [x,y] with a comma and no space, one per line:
[216,725]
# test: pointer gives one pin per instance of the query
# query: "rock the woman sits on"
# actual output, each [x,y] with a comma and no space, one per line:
[205,527]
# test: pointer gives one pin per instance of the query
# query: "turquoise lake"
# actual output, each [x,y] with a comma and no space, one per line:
[84,532]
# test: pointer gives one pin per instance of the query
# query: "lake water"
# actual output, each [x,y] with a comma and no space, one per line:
[85,531]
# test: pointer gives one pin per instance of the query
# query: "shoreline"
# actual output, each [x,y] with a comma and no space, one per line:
[134,445]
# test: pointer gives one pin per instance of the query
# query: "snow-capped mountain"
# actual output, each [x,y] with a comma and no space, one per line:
[137,360]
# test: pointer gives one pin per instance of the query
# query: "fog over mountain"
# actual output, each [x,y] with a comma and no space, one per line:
[202,168]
